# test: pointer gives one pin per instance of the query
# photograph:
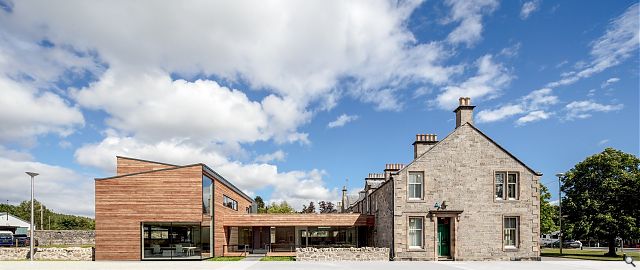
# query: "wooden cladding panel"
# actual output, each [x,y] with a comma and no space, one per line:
[128,166]
[221,212]
[298,220]
[173,195]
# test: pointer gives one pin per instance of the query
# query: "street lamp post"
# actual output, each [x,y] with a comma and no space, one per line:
[560,175]
[32,174]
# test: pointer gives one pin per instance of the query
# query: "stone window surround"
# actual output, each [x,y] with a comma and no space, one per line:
[421,199]
[504,189]
[411,248]
[518,238]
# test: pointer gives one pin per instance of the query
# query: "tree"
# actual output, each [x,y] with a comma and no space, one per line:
[326,207]
[308,209]
[602,197]
[281,208]
[260,203]
[548,212]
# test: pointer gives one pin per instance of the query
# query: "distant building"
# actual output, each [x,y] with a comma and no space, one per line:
[9,222]
[463,198]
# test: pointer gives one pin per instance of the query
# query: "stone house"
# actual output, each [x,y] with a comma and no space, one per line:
[461,198]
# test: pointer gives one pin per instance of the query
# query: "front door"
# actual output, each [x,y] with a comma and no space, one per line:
[444,239]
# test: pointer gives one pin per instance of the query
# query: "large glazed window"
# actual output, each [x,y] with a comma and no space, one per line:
[415,185]
[415,232]
[510,232]
[207,184]
[171,241]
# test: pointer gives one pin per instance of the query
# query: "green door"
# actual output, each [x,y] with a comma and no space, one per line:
[443,237]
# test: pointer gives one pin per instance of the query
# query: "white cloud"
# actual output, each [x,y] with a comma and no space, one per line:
[583,109]
[488,82]
[533,116]
[275,156]
[342,120]
[528,8]
[533,104]
[153,107]
[364,42]
[489,115]
[610,81]
[603,142]
[292,186]
[58,188]
[469,15]
[617,44]
[26,113]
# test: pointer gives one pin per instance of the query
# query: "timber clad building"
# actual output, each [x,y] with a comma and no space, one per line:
[461,198]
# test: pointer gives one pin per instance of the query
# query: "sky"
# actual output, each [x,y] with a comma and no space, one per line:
[289,99]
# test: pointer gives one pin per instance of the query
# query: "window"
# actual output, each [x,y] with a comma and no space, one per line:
[499,186]
[231,203]
[415,232]
[415,185]
[510,232]
[510,184]
[207,184]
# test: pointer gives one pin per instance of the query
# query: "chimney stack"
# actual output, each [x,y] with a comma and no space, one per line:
[343,203]
[423,143]
[464,112]
[391,168]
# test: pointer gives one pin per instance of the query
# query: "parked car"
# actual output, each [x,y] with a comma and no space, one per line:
[23,240]
[572,244]
[6,239]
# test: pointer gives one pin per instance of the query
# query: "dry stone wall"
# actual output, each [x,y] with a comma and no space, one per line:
[65,237]
[51,254]
[342,254]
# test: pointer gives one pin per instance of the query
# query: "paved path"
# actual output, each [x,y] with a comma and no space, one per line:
[256,265]
[251,257]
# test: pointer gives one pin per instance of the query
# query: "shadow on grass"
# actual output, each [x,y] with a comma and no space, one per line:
[597,255]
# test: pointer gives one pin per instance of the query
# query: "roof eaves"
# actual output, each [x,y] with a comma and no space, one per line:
[137,173]
[226,182]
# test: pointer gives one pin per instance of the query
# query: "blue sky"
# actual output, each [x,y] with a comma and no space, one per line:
[289,99]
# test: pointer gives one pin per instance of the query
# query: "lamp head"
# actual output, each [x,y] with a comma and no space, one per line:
[559,174]
[32,174]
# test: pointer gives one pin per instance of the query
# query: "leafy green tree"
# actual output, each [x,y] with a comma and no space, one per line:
[280,208]
[260,203]
[50,220]
[308,209]
[326,207]
[602,199]
[548,212]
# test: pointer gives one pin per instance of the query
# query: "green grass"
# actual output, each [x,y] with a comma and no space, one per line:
[596,255]
[278,258]
[226,259]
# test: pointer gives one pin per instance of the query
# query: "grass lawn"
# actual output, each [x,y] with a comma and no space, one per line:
[226,259]
[279,258]
[597,255]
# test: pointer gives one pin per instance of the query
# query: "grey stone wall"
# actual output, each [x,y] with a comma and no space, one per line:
[342,254]
[382,200]
[460,169]
[65,237]
[53,254]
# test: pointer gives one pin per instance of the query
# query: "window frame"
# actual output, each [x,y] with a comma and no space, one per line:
[516,230]
[505,185]
[409,184]
[226,200]
[421,229]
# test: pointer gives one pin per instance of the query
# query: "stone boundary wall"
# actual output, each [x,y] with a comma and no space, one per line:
[65,237]
[52,254]
[342,254]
